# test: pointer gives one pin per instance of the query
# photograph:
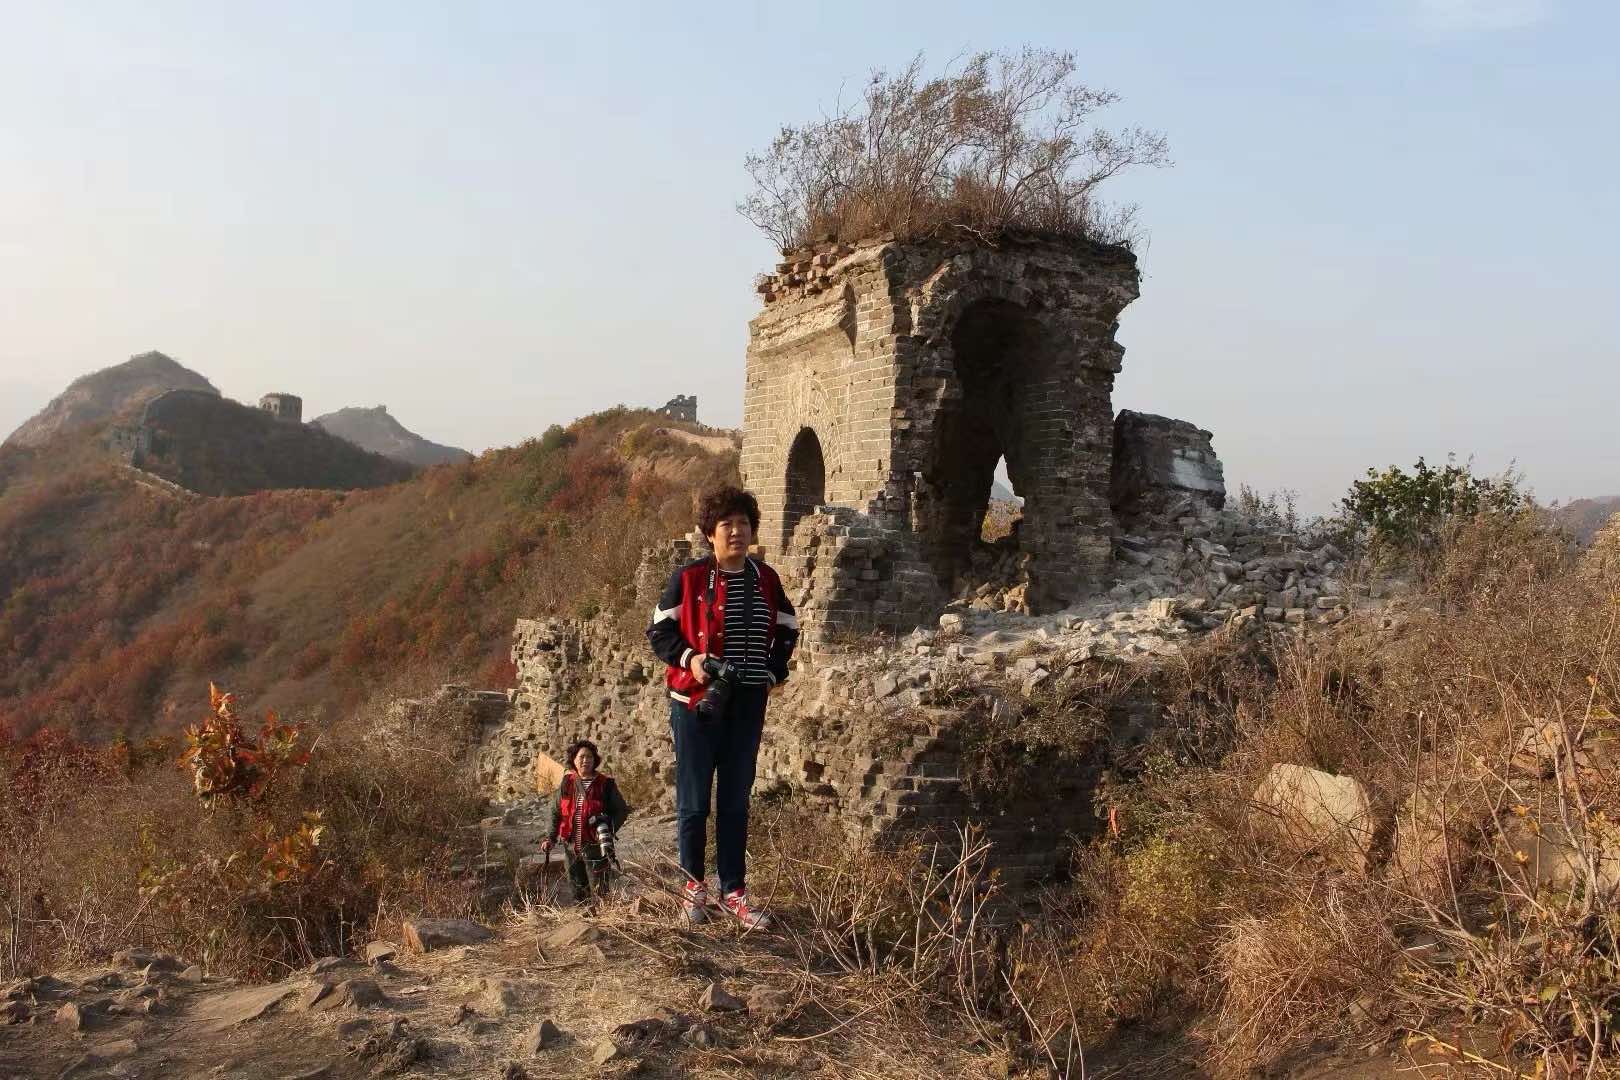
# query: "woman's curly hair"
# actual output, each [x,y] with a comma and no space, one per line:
[721,503]
[582,744]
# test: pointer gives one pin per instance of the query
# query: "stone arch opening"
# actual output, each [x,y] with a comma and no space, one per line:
[806,481]
[1003,357]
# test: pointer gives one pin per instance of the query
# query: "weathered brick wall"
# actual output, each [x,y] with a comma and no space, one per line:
[1162,465]
[915,367]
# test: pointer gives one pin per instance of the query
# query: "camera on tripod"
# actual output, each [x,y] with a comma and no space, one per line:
[722,678]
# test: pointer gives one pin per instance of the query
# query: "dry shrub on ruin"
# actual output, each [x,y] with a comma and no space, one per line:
[998,141]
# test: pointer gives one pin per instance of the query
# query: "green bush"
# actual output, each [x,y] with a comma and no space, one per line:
[1396,511]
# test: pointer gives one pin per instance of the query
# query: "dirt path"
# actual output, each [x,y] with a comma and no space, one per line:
[624,988]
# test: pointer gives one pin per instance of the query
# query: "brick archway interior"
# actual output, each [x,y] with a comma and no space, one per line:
[806,481]
[1002,358]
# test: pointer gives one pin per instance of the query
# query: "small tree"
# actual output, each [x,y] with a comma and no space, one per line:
[1399,511]
[1004,141]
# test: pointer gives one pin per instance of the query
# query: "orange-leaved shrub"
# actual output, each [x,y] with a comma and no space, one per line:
[254,856]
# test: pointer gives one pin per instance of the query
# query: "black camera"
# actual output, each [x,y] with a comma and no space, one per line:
[722,677]
[604,837]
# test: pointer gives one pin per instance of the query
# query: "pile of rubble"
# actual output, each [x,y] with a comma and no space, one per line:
[1190,572]
[997,577]
[1235,568]
[1221,564]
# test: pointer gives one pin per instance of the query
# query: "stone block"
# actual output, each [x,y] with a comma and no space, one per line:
[1308,811]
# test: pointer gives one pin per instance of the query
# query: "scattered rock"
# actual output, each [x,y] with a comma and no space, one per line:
[1163,607]
[350,994]
[769,1002]
[380,951]
[319,1072]
[498,995]
[136,959]
[1555,856]
[313,995]
[192,974]
[702,1035]
[350,1028]
[15,1012]
[513,1071]
[572,932]
[650,1030]
[717,999]
[69,1016]
[325,964]
[425,935]
[227,1010]
[1308,811]
[605,1051]
[116,1050]
[543,1036]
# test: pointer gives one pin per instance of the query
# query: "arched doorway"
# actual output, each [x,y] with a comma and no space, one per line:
[1006,403]
[806,481]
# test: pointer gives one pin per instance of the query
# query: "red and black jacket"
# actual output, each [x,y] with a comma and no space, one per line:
[601,797]
[690,619]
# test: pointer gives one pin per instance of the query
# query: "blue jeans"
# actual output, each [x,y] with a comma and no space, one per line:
[717,757]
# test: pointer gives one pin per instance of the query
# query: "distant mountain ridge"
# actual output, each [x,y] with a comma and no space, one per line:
[215,446]
[376,430]
[1584,517]
[102,394]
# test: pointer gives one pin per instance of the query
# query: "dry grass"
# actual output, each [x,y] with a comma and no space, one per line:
[874,952]
[1313,968]
[121,852]
[1481,727]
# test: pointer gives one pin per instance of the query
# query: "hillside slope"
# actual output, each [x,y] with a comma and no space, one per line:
[215,446]
[117,601]
[376,430]
[91,399]
[1584,517]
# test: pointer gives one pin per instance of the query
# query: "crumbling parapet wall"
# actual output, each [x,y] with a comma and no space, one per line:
[1163,467]
[848,575]
[890,378]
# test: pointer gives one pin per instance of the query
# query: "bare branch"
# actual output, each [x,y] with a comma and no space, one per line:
[997,141]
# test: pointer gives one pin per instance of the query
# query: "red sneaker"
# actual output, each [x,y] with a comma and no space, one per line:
[736,905]
[695,902]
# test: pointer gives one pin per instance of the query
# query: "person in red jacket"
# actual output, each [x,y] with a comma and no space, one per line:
[730,609]
[584,795]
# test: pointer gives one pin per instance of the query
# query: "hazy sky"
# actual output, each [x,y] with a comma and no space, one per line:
[1391,229]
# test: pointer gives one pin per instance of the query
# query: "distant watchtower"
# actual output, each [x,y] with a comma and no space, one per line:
[681,407]
[288,407]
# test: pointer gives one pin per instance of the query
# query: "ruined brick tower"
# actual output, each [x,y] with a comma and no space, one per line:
[884,382]
[288,407]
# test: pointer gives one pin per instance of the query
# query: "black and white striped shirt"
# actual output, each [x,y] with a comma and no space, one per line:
[745,640]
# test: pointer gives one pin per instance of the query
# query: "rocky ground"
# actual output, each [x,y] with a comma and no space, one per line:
[549,991]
